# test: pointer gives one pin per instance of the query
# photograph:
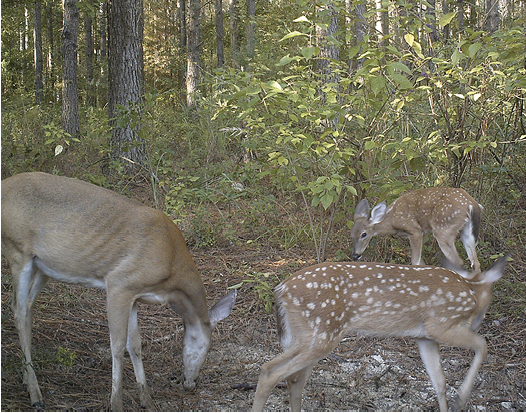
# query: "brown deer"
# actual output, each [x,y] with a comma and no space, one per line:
[319,305]
[79,233]
[443,211]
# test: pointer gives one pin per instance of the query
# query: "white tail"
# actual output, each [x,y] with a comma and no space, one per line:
[443,211]
[75,232]
[319,305]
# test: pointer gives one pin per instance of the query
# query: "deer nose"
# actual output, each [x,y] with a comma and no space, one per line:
[356,256]
[189,384]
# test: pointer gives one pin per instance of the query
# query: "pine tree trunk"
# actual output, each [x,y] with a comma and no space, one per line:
[70,94]
[491,22]
[220,34]
[192,61]
[125,64]
[50,67]
[88,32]
[445,10]
[328,50]
[37,23]
[234,42]
[251,28]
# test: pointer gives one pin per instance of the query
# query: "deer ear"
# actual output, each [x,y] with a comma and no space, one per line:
[362,210]
[222,308]
[378,213]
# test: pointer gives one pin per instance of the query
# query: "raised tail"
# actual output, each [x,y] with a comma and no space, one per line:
[475,216]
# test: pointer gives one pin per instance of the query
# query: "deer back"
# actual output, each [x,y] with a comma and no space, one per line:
[325,301]
[57,218]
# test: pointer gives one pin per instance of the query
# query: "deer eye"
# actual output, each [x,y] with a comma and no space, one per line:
[364,235]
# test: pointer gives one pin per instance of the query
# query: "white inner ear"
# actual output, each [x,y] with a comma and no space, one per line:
[378,213]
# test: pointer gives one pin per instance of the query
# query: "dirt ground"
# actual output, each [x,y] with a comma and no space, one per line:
[71,343]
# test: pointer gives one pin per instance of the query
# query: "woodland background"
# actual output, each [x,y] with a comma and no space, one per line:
[258,125]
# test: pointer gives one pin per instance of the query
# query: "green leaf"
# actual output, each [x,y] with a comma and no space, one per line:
[326,200]
[369,145]
[310,51]
[473,49]
[402,81]
[274,85]
[353,51]
[301,19]
[409,38]
[285,60]
[446,19]
[398,66]
[377,84]
[295,33]
[455,57]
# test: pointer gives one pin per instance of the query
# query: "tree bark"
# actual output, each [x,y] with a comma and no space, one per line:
[382,23]
[491,21]
[125,68]
[50,66]
[192,61]
[234,42]
[88,32]
[251,28]
[446,30]
[39,66]
[328,50]
[220,34]
[70,95]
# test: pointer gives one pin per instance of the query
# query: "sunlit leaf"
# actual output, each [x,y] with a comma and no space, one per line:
[446,19]
[295,33]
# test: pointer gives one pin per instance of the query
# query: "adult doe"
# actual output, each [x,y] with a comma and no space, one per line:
[319,305]
[75,232]
[443,211]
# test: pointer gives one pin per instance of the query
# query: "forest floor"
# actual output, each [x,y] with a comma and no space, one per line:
[71,343]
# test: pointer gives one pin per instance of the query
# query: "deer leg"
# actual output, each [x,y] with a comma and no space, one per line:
[292,361]
[119,308]
[295,384]
[28,281]
[429,352]
[470,243]
[415,240]
[134,348]
[446,242]
[471,340]
[459,336]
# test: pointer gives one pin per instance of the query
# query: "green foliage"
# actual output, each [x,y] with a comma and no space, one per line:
[263,286]
[65,357]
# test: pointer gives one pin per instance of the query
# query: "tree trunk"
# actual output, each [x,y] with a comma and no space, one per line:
[328,50]
[491,22]
[446,30]
[220,34]
[460,15]
[39,84]
[359,28]
[192,67]
[251,28]
[234,42]
[70,94]
[431,16]
[125,68]
[51,80]
[103,33]
[88,32]
[382,23]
